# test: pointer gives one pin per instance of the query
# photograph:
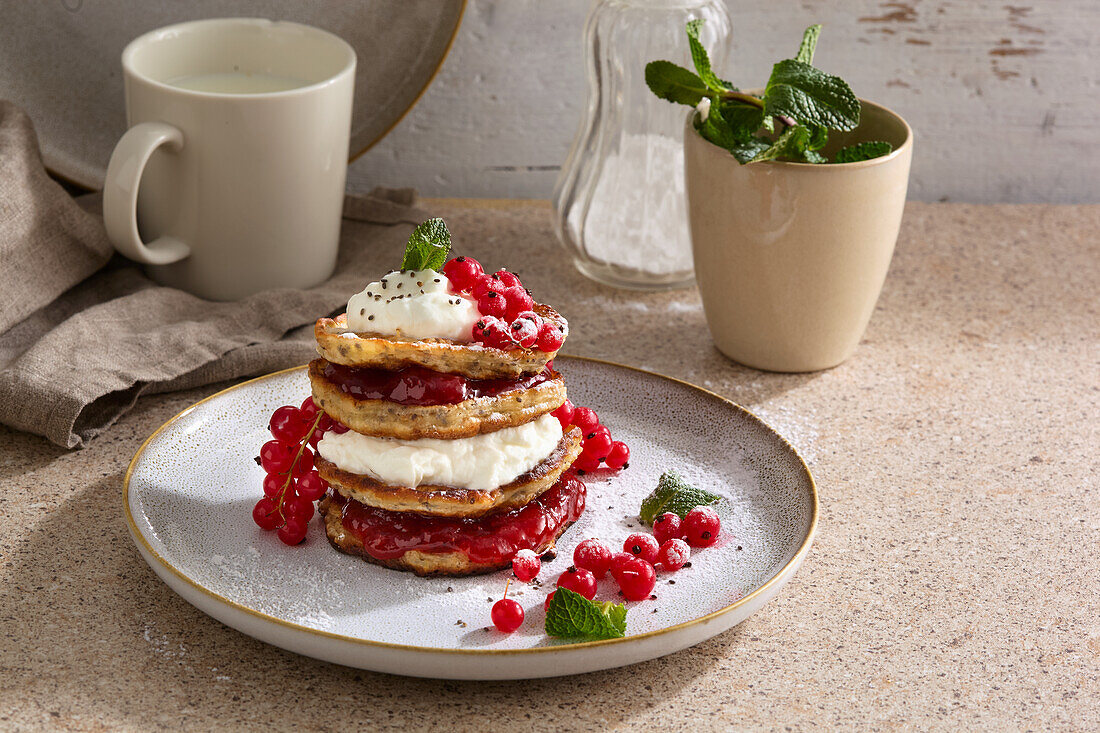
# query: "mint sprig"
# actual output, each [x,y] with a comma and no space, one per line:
[572,616]
[428,246]
[863,151]
[789,121]
[674,494]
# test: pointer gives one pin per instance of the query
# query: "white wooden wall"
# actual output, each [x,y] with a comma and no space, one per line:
[1004,95]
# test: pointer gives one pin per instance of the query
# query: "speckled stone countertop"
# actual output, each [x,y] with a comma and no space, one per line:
[954,582]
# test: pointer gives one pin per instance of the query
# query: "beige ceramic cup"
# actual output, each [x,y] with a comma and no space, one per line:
[230,179]
[790,257]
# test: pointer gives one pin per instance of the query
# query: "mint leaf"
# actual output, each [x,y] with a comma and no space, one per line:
[812,156]
[818,137]
[571,615]
[747,151]
[675,495]
[809,43]
[674,83]
[743,119]
[715,129]
[808,95]
[790,144]
[701,59]
[427,247]
[863,151]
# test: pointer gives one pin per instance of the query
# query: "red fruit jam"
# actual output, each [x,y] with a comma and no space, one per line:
[420,386]
[494,539]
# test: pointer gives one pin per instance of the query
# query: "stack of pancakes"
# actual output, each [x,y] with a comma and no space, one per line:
[524,389]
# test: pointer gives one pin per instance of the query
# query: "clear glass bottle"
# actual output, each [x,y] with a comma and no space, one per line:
[619,201]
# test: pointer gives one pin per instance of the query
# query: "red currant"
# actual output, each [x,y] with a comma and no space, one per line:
[667,527]
[642,545]
[636,579]
[551,337]
[586,419]
[493,332]
[323,427]
[309,410]
[673,554]
[546,603]
[578,580]
[287,424]
[486,283]
[293,532]
[526,565]
[618,455]
[277,456]
[273,485]
[305,462]
[564,414]
[701,526]
[507,615]
[510,279]
[492,303]
[593,556]
[311,486]
[588,464]
[463,272]
[338,427]
[297,507]
[518,301]
[524,332]
[597,444]
[618,562]
[265,515]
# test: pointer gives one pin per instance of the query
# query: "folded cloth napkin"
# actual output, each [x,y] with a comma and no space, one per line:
[84,334]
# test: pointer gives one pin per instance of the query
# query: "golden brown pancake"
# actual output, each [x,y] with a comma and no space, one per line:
[341,346]
[445,501]
[386,419]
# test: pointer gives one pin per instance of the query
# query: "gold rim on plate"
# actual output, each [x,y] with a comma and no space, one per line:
[795,560]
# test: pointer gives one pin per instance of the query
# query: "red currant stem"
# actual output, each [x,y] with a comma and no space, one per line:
[290,473]
[509,582]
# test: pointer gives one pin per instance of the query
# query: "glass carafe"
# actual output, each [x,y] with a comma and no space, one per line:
[619,201]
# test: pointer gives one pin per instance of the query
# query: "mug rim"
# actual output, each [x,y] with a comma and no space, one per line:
[157,34]
[880,160]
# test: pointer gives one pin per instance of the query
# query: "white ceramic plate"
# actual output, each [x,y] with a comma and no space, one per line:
[61,61]
[190,489]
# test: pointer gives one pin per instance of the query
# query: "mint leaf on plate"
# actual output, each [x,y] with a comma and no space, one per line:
[674,83]
[807,94]
[571,615]
[809,43]
[863,151]
[675,495]
[428,246]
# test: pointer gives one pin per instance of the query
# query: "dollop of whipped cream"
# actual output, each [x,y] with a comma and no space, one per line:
[416,304]
[482,463]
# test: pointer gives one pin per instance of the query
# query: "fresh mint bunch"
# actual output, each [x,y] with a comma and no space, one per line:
[790,121]
[572,616]
[428,246]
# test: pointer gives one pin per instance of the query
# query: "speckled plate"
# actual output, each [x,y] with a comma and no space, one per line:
[190,489]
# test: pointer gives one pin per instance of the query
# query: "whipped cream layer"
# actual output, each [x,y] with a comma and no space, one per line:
[482,463]
[416,304]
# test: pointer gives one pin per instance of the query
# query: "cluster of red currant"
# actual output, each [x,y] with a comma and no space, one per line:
[505,305]
[634,569]
[292,484]
[598,447]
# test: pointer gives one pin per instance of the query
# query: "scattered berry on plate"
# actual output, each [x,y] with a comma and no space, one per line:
[579,581]
[636,579]
[667,527]
[642,545]
[673,554]
[594,556]
[701,526]
[526,565]
[507,614]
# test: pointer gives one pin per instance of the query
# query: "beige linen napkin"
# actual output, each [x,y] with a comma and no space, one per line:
[83,335]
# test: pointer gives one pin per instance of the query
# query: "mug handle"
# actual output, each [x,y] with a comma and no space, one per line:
[120,194]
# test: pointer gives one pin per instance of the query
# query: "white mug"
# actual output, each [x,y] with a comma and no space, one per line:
[230,179]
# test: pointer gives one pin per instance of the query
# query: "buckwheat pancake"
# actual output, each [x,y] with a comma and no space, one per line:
[445,501]
[483,414]
[477,361]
